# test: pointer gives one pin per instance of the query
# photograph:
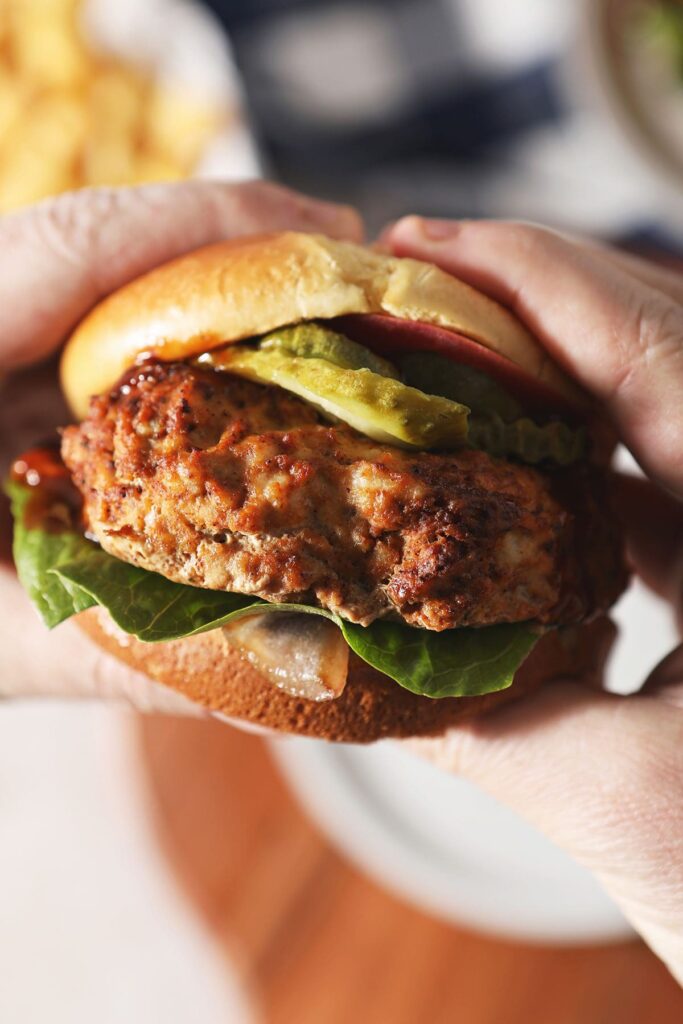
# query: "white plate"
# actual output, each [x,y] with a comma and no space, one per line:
[440,843]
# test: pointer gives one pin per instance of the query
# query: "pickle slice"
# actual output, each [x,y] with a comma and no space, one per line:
[313,341]
[438,375]
[526,440]
[379,407]
[496,424]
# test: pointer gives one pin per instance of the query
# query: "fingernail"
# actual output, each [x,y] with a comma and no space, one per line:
[440,230]
[423,229]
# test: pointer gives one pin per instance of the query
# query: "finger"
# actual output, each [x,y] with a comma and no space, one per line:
[65,663]
[666,679]
[59,257]
[600,775]
[619,337]
[664,278]
[651,272]
[653,524]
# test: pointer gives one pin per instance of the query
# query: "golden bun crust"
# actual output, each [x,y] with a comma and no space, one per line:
[372,707]
[247,286]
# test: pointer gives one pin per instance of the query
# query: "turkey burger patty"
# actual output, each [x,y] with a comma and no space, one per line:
[218,482]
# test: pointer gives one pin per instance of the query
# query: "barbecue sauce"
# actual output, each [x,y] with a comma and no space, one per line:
[55,504]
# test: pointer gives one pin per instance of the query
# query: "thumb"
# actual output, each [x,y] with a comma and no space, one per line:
[600,775]
[619,336]
[65,663]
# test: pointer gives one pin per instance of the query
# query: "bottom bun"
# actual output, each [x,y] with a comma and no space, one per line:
[372,707]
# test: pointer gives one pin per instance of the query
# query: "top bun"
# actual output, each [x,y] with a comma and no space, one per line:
[248,286]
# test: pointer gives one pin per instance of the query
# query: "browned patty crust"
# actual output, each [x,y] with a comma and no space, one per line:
[220,483]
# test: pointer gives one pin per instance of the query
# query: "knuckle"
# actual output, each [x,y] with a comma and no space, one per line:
[259,205]
[521,236]
[659,328]
[651,337]
[265,203]
[229,209]
[68,226]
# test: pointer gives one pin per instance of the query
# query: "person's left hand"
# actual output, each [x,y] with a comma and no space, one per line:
[57,260]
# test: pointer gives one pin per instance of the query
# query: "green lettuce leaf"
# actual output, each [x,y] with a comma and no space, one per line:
[36,551]
[455,663]
[64,573]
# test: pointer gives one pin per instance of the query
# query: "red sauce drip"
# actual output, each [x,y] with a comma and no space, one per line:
[5,531]
[55,504]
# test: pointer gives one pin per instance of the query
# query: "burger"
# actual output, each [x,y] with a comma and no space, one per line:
[321,489]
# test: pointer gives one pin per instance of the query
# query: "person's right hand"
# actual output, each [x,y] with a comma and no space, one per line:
[601,775]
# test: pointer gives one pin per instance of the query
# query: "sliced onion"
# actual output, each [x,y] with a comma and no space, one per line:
[304,655]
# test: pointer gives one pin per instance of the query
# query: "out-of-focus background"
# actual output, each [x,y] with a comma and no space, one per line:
[476,107]
[171,870]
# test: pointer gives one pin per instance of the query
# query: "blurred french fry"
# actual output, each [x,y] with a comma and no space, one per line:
[27,178]
[115,103]
[117,96]
[56,8]
[13,100]
[152,167]
[108,160]
[70,116]
[41,151]
[4,27]
[178,125]
[46,46]
[57,125]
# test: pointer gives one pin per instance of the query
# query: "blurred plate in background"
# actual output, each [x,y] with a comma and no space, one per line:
[630,67]
[442,844]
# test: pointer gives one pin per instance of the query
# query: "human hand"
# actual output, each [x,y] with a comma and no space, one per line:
[56,260]
[601,775]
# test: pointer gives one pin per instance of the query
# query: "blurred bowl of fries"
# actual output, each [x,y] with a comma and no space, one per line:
[100,93]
